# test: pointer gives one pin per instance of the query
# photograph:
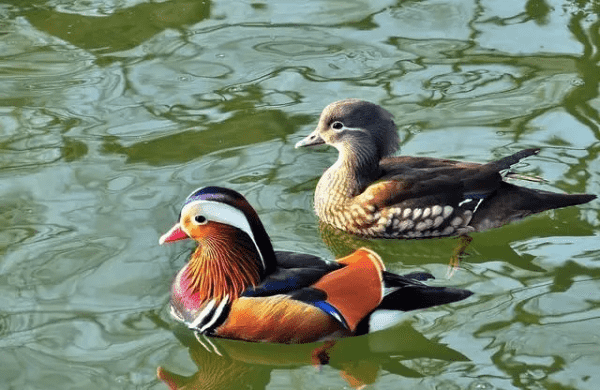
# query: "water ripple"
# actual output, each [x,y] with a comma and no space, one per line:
[296,48]
[112,112]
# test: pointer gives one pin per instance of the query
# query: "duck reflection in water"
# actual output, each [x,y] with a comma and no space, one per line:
[232,364]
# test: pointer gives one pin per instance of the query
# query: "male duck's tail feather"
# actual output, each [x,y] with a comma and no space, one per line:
[422,297]
[406,292]
[406,297]
[391,280]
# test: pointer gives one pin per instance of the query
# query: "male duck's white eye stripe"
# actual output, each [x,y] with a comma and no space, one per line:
[224,213]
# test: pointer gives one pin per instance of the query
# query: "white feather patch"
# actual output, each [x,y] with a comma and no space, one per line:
[383,319]
[217,314]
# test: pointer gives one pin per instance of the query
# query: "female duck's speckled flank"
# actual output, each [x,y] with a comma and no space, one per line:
[366,192]
[236,286]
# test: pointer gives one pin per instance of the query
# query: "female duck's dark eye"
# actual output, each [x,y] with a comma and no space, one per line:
[337,125]
[200,219]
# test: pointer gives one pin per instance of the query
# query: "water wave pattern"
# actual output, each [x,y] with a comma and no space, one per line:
[111,112]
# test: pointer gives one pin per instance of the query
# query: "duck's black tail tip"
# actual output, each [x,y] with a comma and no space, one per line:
[511,203]
[421,297]
[546,200]
[575,199]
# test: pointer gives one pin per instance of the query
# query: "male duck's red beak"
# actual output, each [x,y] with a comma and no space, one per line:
[175,234]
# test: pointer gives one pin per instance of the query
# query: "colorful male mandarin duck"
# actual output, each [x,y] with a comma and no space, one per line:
[369,193]
[236,286]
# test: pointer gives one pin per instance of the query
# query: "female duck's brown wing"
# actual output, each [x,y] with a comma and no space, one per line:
[442,185]
[477,187]
[416,177]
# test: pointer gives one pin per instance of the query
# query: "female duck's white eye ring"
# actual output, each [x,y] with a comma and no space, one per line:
[200,220]
[337,125]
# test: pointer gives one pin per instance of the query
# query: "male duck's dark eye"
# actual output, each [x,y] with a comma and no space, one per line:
[337,125]
[200,219]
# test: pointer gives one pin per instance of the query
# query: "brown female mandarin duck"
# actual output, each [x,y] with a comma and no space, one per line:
[369,193]
[236,286]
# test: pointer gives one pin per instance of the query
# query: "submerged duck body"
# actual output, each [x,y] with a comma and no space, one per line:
[236,286]
[369,193]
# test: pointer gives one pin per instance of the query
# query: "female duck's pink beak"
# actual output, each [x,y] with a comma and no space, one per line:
[175,234]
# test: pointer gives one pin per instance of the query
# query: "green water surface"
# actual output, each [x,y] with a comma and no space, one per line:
[111,112]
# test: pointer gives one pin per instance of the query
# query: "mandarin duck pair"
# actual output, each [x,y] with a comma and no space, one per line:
[236,286]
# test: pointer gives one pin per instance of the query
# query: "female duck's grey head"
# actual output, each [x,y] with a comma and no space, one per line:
[355,122]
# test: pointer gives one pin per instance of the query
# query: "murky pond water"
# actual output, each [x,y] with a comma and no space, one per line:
[111,112]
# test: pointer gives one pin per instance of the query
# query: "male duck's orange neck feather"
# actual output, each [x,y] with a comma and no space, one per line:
[225,263]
